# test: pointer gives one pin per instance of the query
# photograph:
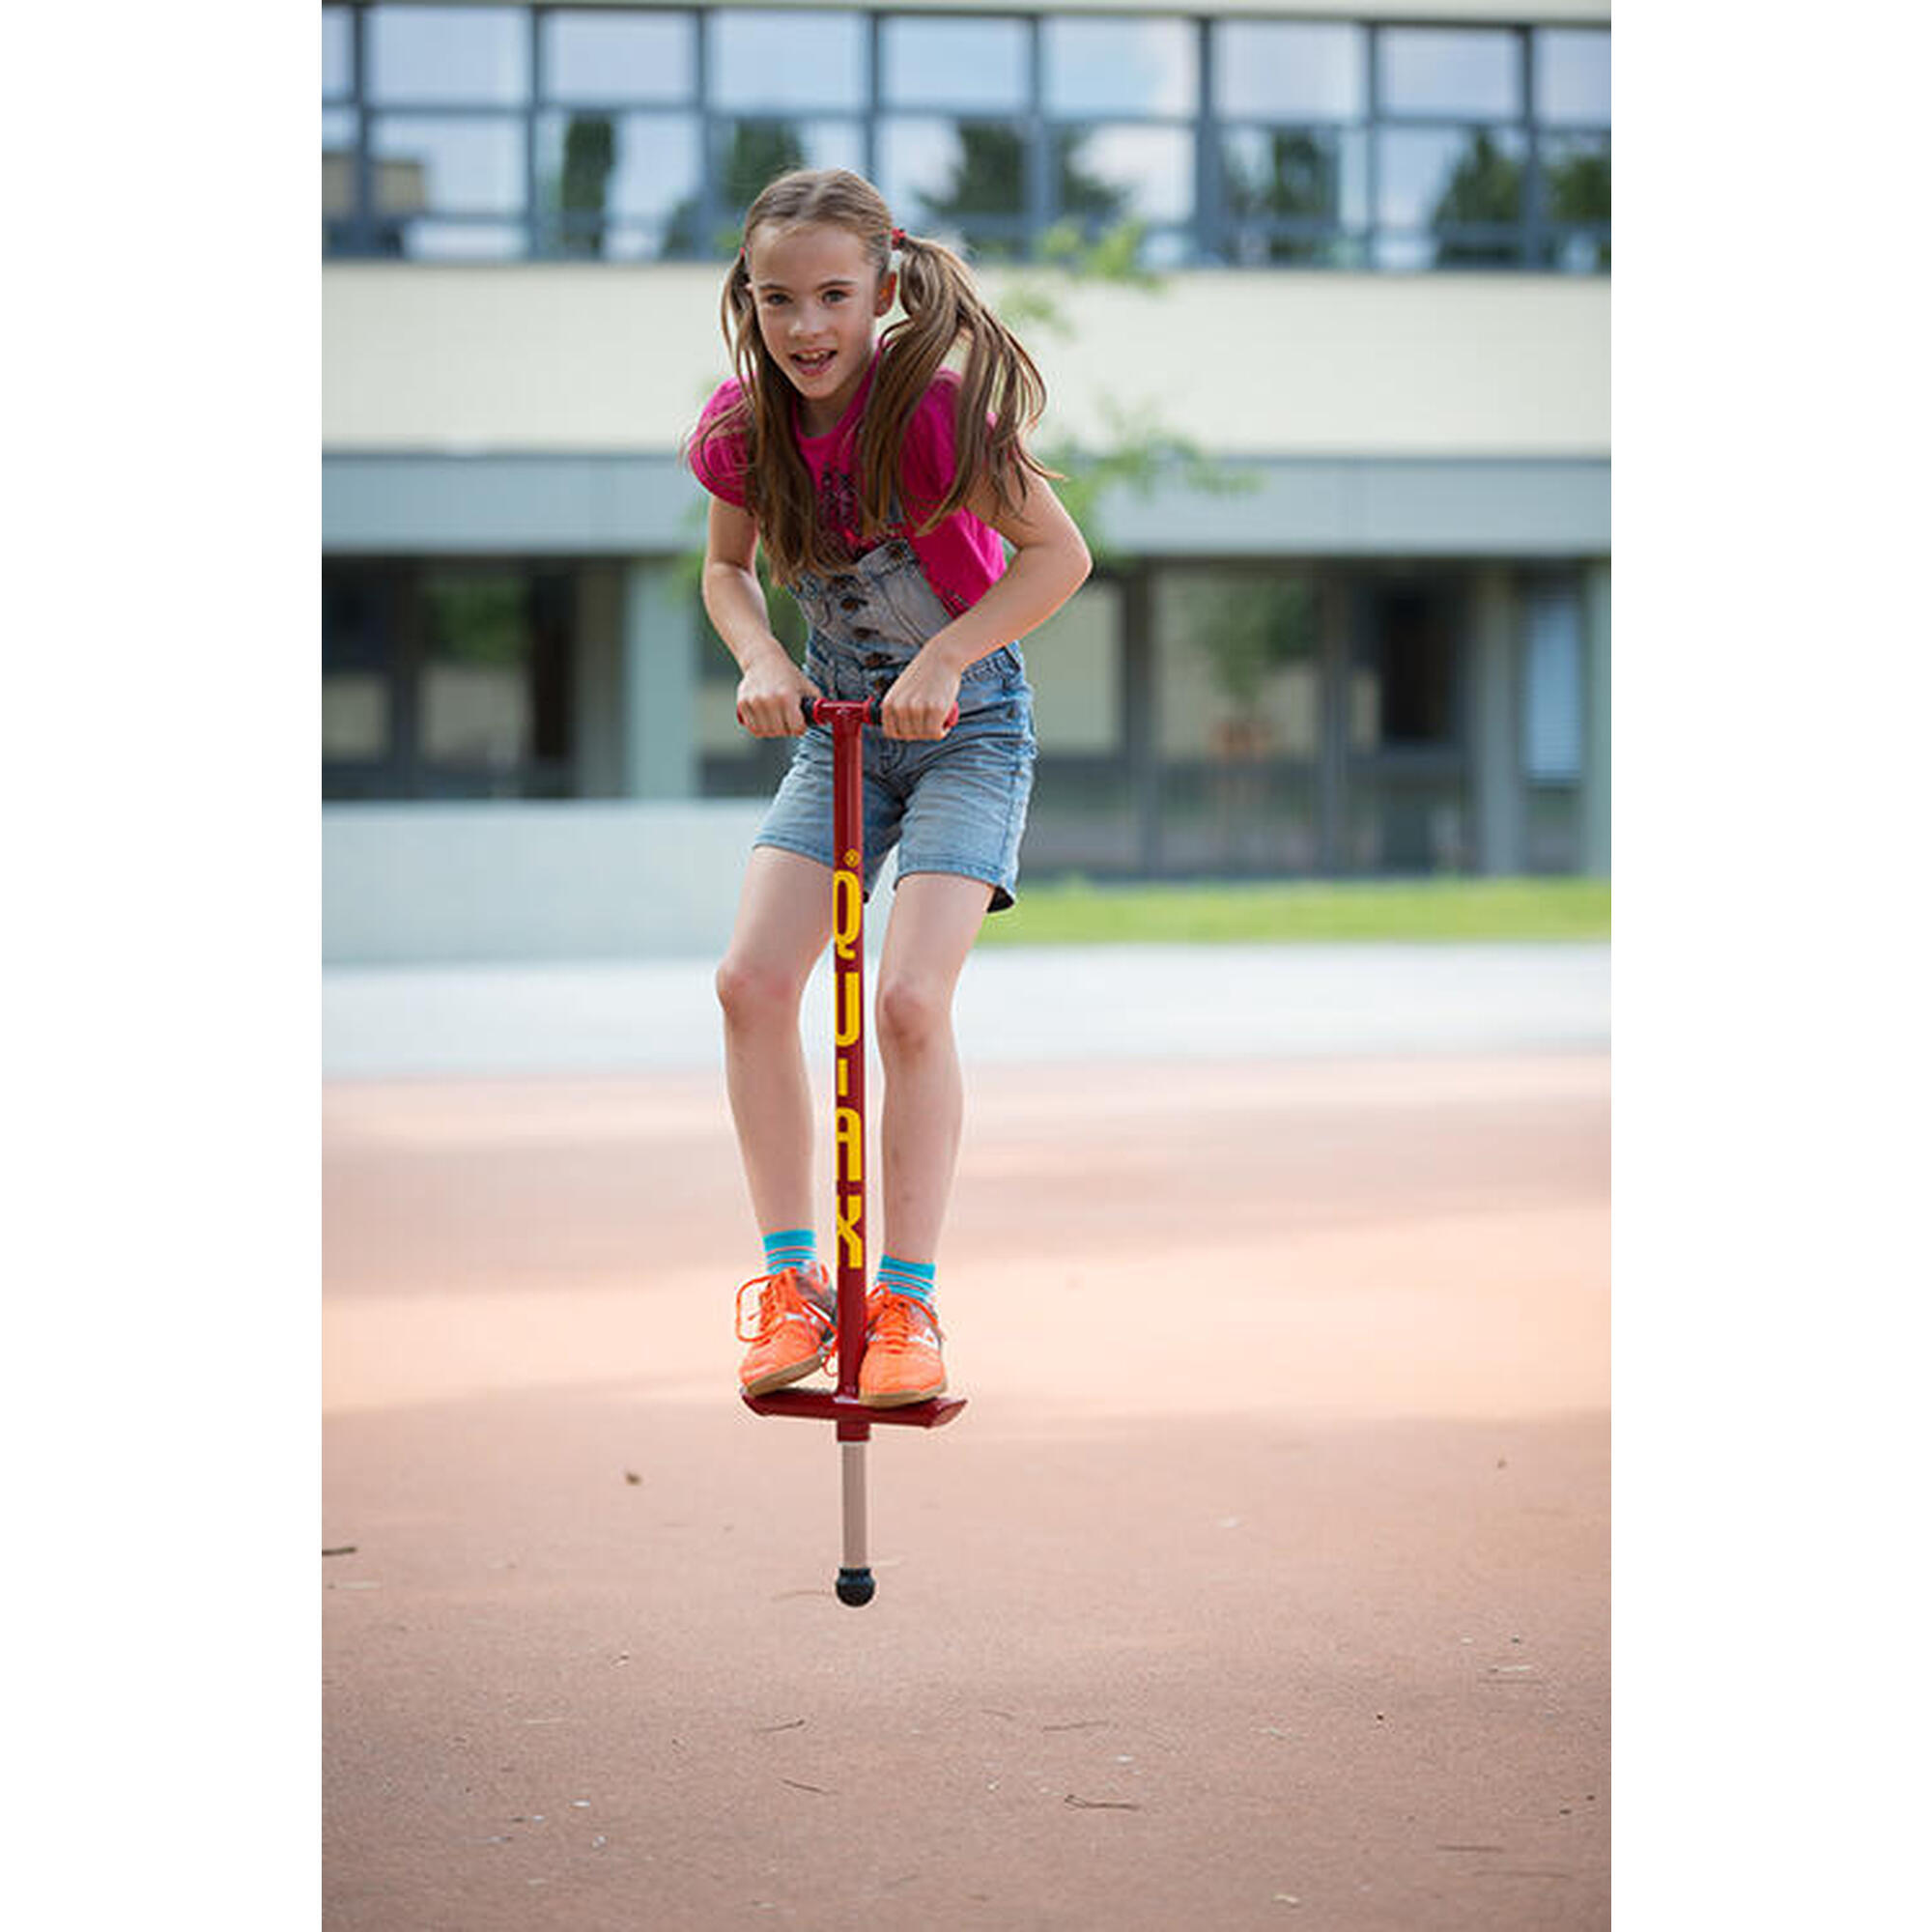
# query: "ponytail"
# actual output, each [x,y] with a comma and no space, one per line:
[1001,392]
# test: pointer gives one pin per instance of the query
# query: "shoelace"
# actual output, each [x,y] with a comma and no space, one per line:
[775,1304]
[889,1319]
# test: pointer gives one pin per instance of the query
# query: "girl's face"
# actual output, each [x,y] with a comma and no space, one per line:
[817,297]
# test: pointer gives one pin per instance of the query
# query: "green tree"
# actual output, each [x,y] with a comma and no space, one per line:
[1486,188]
[989,179]
[590,153]
[1576,187]
[1299,179]
[758,154]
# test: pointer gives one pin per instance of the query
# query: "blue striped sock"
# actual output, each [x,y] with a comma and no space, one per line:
[916,1279]
[791,1248]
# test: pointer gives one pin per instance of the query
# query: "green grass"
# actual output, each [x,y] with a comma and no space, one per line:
[1076,912]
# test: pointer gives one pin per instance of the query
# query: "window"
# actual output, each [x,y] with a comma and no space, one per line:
[1407,784]
[1237,718]
[1470,72]
[1552,686]
[1084,812]
[1450,197]
[1119,66]
[612,185]
[1572,77]
[1572,86]
[772,62]
[448,56]
[448,680]
[964,65]
[338,53]
[633,133]
[597,58]
[1282,71]
[968,178]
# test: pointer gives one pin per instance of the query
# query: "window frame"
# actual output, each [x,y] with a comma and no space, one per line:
[1209,235]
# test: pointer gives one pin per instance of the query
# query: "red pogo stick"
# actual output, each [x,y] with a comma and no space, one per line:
[847,719]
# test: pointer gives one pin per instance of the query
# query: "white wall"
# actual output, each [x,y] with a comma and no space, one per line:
[504,880]
[467,358]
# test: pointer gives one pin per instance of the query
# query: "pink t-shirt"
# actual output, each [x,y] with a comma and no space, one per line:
[961,556]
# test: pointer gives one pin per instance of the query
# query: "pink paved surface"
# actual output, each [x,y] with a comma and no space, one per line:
[1264,1582]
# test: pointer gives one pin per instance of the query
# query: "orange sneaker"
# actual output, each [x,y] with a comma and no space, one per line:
[901,1361]
[793,1335]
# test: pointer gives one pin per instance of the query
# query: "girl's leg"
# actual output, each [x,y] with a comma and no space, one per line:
[936,917]
[784,922]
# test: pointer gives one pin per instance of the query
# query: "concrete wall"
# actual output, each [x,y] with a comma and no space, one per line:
[462,359]
[504,881]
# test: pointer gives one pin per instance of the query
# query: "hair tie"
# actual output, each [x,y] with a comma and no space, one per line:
[899,238]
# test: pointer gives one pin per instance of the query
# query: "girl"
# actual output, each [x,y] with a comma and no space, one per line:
[880,484]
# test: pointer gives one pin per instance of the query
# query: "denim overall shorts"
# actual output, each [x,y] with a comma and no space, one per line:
[957,804]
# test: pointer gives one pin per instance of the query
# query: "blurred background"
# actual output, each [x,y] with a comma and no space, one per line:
[1322,302]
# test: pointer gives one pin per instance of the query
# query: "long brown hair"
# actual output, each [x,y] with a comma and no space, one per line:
[1000,399]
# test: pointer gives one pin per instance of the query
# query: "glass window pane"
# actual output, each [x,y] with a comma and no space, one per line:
[1082,813]
[955,63]
[338,163]
[475,694]
[596,170]
[609,56]
[1238,724]
[1471,71]
[446,165]
[1290,72]
[1575,177]
[494,692]
[1573,75]
[338,63]
[355,715]
[756,153]
[1435,178]
[1298,174]
[937,174]
[1113,174]
[765,60]
[467,56]
[457,240]
[1552,686]
[1120,67]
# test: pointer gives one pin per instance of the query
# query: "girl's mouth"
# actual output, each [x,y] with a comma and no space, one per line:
[815,364]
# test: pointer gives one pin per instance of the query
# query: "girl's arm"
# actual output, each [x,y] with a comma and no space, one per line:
[1049,564]
[772,684]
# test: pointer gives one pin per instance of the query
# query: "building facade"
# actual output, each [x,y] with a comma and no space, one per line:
[1365,630]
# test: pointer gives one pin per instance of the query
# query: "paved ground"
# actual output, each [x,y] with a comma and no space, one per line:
[1027,1005]
[1264,1581]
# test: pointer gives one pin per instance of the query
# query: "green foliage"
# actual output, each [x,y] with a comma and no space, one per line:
[476,616]
[1487,187]
[590,153]
[758,154]
[1246,628]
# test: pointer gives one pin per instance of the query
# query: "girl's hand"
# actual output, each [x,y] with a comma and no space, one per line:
[919,699]
[771,694]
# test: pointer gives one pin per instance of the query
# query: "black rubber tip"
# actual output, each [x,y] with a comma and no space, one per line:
[855,1587]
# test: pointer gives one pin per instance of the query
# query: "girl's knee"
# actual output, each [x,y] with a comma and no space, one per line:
[912,1012]
[752,990]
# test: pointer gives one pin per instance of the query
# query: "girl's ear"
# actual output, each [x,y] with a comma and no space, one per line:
[888,288]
